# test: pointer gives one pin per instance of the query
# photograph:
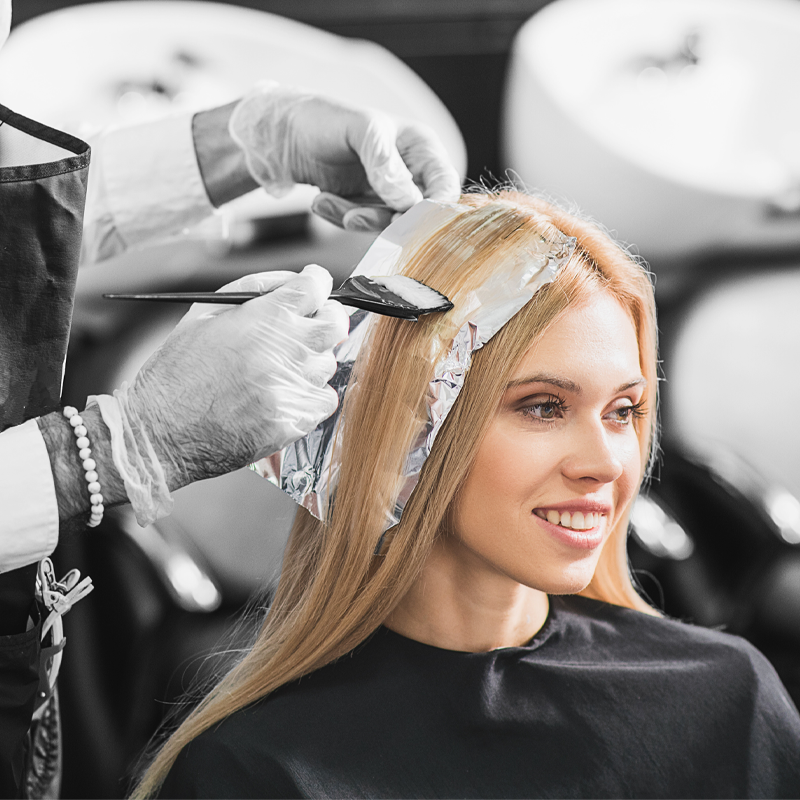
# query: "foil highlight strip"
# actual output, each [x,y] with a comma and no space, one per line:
[307,470]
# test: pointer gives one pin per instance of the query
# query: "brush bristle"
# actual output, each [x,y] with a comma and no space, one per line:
[411,291]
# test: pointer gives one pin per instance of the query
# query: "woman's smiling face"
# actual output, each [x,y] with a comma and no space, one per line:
[561,460]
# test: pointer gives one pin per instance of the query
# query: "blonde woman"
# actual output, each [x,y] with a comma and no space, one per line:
[495,646]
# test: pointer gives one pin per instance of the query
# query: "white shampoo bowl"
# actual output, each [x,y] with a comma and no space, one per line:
[676,123]
[733,377]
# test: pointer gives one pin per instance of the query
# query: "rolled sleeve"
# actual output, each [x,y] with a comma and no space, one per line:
[28,507]
[144,184]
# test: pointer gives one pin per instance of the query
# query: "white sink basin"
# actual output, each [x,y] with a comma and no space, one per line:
[675,122]
[733,374]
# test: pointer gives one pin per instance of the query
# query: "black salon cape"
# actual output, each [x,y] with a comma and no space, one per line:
[604,702]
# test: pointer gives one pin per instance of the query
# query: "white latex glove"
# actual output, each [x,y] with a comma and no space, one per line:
[230,385]
[367,165]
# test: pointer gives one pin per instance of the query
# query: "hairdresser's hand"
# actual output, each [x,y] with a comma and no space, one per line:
[368,165]
[232,384]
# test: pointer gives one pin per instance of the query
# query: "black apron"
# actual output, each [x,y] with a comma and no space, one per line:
[41,220]
[42,196]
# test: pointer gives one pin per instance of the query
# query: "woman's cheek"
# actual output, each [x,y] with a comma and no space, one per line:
[629,456]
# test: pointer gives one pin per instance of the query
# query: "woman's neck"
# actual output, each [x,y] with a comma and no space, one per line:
[458,603]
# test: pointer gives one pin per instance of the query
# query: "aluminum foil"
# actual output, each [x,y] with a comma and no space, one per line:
[307,470]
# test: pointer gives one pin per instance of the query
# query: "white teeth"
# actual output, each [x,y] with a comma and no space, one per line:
[575,520]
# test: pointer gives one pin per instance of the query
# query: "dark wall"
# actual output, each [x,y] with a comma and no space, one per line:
[458,47]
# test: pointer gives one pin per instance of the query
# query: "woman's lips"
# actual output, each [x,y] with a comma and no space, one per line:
[585,539]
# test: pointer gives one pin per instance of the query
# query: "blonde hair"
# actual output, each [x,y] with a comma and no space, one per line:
[334,591]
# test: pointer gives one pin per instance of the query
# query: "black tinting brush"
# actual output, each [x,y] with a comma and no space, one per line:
[392,296]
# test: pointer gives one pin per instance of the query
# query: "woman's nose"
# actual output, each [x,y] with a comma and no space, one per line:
[594,455]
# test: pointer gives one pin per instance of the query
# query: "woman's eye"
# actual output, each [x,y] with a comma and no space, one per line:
[547,410]
[625,414]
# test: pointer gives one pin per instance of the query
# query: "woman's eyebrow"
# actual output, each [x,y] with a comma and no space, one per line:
[568,385]
[553,380]
[641,381]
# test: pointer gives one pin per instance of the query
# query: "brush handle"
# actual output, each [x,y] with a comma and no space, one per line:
[237,298]
[226,298]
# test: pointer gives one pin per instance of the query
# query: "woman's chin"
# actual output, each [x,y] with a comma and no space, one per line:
[569,579]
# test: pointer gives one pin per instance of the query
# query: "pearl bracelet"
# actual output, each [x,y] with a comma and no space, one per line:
[89,464]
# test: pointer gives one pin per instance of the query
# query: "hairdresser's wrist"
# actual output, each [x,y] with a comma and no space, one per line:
[69,476]
[221,160]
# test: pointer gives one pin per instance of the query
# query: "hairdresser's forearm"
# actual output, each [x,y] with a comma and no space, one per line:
[221,161]
[69,476]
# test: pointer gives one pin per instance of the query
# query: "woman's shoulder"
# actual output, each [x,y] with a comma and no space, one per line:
[230,759]
[255,751]
[617,632]
[668,656]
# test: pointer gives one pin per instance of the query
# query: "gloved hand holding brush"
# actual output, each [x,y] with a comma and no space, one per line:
[229,385]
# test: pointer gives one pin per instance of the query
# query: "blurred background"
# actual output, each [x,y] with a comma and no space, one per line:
[675,123]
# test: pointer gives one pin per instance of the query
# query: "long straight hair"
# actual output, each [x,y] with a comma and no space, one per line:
[333,590]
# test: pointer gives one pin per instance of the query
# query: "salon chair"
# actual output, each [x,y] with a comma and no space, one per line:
[166,594]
